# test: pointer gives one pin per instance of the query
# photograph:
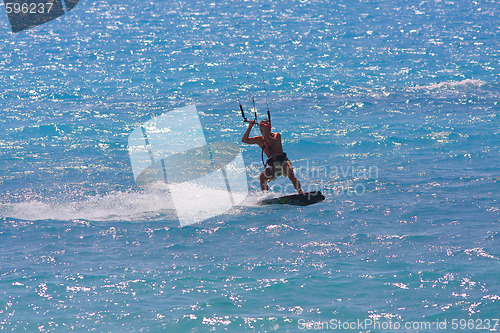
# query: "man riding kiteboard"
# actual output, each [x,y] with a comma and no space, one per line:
[277,164]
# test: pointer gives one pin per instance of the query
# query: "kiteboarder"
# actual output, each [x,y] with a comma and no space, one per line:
[277,164]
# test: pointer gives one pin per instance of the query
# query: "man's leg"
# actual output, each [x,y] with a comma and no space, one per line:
[288,171]
[264,176]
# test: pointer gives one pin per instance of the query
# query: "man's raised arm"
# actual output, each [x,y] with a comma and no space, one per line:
[245,138]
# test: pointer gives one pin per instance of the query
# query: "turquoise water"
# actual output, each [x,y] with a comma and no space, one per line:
[391,109]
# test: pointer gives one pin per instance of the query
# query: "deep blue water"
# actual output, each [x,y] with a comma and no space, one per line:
[390,108]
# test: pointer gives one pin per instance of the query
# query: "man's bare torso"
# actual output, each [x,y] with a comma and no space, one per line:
[273,146]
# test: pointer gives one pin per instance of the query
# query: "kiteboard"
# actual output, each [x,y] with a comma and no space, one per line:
[304,199]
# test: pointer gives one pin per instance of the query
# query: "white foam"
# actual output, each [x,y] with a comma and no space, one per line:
[156,202]
[127,206]
[452,84]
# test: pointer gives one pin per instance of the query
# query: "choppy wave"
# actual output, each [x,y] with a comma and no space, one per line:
[410,89]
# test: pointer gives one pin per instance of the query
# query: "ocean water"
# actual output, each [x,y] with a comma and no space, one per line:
[390,108]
